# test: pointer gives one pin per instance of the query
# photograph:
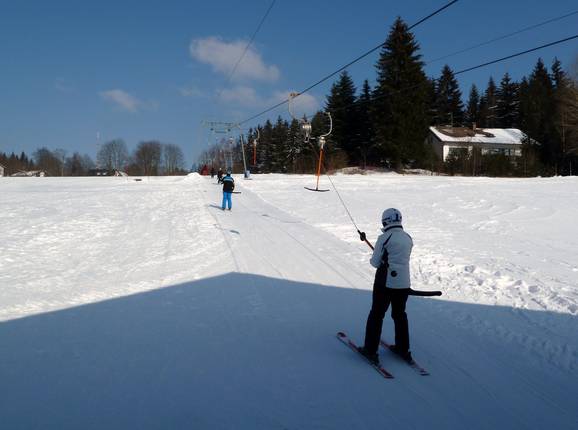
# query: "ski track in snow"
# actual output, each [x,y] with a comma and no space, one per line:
[504,335]
[471,261]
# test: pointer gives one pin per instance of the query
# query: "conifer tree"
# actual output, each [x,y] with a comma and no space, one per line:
[565,115]
[559,78]
[295,145]
[365,137]
[507,103]
[488,106]
[24,160]
[524,106]
[540,114]
[280,147]
[431,109]
[472,115]
[448,99]
[341,105]
[264,149]
[400,99]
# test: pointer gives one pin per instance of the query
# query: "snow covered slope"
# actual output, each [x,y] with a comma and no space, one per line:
[130,304]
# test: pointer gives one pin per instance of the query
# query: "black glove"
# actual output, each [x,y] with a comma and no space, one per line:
[362,236]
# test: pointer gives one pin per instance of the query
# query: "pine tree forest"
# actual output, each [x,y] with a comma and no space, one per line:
[385,127]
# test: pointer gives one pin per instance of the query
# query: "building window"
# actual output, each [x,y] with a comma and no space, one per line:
[456,151]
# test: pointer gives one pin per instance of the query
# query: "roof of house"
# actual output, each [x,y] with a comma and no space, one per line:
[29,173]
[503,136]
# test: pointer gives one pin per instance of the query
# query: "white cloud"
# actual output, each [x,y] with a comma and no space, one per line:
[122,99]
[223,56]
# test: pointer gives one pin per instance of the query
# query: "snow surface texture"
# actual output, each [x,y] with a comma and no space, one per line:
[130,304]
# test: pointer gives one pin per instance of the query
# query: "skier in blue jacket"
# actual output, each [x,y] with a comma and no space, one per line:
[391,286]
[228,187]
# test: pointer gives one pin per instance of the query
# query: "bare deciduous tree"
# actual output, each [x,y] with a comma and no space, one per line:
[148,157]
[113,155]
[60,154]
[78,165]
[173,159]
[47,161]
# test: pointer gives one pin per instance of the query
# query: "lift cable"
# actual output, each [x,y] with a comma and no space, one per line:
[310,87]
[547,45]
[505,36]
[251,40]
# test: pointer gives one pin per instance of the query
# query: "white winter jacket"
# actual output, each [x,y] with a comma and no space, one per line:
[393,249]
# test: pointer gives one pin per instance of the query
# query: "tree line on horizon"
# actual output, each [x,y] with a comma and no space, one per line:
[387,125]
[150,158]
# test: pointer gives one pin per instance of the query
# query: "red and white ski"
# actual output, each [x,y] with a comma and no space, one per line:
[378,367]
[411,363]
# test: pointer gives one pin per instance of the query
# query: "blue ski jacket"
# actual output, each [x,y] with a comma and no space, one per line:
[228,184]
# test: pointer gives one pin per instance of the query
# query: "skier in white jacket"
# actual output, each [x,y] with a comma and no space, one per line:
[391,286]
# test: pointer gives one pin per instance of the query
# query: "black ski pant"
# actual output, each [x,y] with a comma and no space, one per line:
[382,298]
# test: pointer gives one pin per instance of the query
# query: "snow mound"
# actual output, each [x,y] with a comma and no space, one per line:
[193,177]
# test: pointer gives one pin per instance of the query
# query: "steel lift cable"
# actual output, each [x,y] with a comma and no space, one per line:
[505,36]
[365,54]
[251,40]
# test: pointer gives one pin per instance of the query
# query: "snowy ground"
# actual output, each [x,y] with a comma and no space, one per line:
[129,304]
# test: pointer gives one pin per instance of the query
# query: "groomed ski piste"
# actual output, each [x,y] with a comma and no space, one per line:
[128,305]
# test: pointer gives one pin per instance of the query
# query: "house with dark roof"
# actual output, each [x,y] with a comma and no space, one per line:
[29,173]
[106,172]
[445,139]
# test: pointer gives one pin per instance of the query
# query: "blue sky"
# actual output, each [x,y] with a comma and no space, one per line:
[141,70]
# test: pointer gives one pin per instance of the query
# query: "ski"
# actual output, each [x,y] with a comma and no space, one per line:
[378,367]
[315,189]
[411,363]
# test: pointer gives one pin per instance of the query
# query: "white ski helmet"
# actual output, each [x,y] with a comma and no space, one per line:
[391,216]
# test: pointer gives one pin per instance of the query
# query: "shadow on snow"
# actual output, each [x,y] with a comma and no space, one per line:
[246,351]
